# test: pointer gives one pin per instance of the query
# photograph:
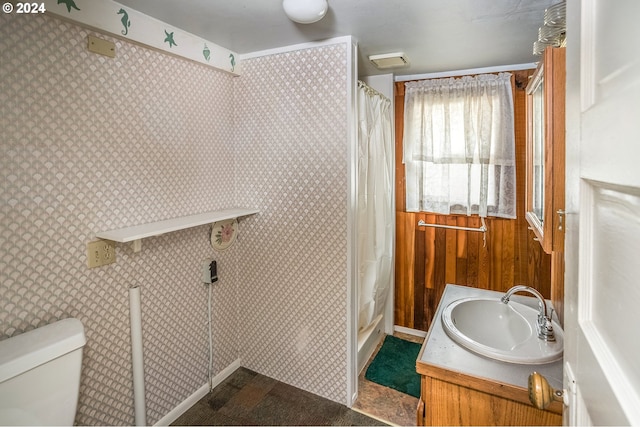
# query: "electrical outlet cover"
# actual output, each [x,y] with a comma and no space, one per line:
[100,252]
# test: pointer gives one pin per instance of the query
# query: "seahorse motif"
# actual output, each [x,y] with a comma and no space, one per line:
[125,21]
[233,61]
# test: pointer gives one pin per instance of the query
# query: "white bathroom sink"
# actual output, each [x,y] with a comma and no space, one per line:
[505,332]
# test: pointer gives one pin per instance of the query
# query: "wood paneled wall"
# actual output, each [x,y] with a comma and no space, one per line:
[428,258]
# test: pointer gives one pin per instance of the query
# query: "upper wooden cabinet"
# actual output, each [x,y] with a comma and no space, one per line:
[546,150]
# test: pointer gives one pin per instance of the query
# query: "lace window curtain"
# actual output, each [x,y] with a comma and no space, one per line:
[459,146]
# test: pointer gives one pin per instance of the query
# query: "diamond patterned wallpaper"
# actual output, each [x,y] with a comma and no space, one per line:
[91,143]
[292,152]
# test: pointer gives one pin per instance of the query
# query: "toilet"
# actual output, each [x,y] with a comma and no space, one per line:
[40,375]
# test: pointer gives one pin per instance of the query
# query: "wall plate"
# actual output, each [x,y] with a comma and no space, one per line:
[101,46]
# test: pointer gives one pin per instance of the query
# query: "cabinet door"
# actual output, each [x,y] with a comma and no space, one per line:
[449,404]
[545,150]
[555,142]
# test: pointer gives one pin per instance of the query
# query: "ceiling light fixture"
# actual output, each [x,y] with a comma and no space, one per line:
[389,60]
[305,11]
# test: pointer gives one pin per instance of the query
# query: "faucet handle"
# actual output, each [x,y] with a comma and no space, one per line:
[545,328]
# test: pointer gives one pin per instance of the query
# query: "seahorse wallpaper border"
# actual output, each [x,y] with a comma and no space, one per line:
[106,16]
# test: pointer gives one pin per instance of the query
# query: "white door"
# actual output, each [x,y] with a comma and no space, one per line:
[602,282]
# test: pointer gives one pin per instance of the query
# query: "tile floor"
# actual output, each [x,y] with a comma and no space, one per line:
[384,403]
[248,398]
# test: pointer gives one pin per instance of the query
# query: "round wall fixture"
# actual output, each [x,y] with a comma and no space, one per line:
[223,233]
[305,11]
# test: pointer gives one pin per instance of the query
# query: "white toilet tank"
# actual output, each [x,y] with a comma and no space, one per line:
[40,375]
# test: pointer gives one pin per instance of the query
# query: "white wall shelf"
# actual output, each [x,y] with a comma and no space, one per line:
[136,233]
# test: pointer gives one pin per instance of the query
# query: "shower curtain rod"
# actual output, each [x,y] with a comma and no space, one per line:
[370,90]
[482,229]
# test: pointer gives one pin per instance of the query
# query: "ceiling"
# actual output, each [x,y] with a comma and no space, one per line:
[435,35]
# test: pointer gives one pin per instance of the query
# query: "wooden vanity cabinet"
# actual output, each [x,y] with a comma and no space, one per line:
[546,150]
[449,398]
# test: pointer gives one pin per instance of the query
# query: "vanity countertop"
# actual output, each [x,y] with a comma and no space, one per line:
[439,352]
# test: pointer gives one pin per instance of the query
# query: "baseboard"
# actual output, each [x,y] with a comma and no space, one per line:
[410,331]
[199,394]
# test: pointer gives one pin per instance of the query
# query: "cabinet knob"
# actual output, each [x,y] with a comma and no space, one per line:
[541,394]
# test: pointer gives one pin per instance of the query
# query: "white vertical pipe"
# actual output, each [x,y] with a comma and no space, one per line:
[136,356]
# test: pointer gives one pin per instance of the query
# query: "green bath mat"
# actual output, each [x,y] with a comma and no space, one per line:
[395,366]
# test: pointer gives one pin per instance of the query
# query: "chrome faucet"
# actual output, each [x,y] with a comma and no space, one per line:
[544,326]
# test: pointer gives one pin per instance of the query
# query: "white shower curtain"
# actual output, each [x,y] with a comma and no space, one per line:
[375,204]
